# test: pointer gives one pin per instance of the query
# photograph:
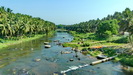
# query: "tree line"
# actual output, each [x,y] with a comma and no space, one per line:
[18,25]
[119,21]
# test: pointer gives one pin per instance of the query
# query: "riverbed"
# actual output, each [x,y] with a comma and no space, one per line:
[20,59]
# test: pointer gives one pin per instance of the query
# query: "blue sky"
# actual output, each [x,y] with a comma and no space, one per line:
[67,11]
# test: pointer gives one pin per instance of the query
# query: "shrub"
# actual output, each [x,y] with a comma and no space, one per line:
[121,40]
[109,51]
[2,41]
[107,28]
[107,34]
[84,49]
[128,60]
[85,45]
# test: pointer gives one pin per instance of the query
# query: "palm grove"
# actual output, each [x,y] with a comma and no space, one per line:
[114,24]
[20,25]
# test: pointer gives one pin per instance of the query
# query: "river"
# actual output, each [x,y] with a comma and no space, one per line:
[20,59]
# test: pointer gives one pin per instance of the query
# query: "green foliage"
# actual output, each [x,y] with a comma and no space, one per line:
[130,39]
[107,34]
[109,51]
[60,26]
[107,28]
[2,41]
[121,40]
[83,27]
[123,19]
[94,53]
[85,45]
[70,45]
[19,25]
[92,36]
[85,49]
[127,60]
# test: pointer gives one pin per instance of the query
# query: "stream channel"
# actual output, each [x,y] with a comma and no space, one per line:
[20,59]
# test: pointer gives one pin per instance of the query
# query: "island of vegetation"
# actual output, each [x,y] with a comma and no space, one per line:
[110,36]
[17,27]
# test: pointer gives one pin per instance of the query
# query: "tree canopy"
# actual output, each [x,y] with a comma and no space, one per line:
[107,28]
[15,25]
[124,19]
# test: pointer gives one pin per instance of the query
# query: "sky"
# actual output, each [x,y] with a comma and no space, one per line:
[67,11]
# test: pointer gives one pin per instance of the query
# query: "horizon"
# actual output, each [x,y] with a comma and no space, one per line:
[67,12]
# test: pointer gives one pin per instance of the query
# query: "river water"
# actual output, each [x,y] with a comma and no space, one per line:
[20,59]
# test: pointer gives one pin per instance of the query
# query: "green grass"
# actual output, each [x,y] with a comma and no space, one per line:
[127,60]
[94,53]
[90,40]
[70,45]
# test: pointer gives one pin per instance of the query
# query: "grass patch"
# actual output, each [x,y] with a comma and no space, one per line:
[85,41]
[82,40]
[94,53]
[70,45]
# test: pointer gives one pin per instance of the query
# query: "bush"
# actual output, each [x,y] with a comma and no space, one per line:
[107,28]
[75,39]
[128,60]
[107,34]
[109,51]
[85,45]
[84,49]
[121,40]
[2,41]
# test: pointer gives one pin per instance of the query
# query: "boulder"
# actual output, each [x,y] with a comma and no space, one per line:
[47,46]
[71,60]
[78,58]
[46,43]
[37,60]
[67,52]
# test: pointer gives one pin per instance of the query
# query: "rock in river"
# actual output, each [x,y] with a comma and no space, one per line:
[37,60]
[47,46]
[56,40]
[66,52]
[46,43]
[71,60]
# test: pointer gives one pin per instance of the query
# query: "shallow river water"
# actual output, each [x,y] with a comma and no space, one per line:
[20,59]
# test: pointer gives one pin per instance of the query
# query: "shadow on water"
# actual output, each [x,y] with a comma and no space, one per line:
[22,59]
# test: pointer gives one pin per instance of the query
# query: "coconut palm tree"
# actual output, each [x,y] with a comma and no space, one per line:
[17,25]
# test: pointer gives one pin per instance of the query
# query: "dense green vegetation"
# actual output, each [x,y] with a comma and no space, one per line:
[16,26]
[116,45]
[84,27]
[107,27]
[107,34]
[123,19]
